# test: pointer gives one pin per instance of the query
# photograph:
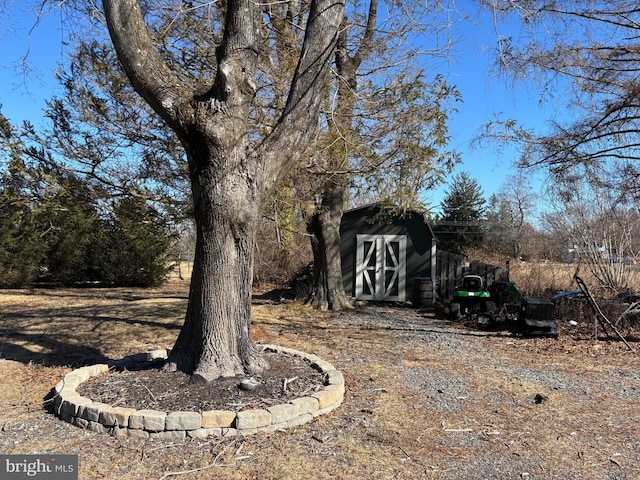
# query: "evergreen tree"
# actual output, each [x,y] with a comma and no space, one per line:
[134,246]
[463,209]
[101,129]
[50,228]
[67,212]
[21,247]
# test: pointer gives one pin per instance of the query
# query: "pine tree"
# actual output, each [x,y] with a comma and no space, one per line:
[134,245]
[463,209]
[68,217]
[21,247]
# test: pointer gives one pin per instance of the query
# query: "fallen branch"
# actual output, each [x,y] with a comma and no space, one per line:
[184,472]
[611,460]
[149,391]
[456,429]
[634,309]
[596,310]
[169,445]
[287,381]
[418,461]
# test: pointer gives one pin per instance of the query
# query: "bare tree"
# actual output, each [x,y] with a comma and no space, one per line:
[509,216]
[601,229]
[590,51]
[324,222]
[232,170]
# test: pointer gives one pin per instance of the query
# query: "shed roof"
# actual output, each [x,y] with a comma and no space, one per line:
[377,209]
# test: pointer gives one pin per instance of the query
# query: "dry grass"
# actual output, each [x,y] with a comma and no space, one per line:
[539,279]
[425,399]
[544,279]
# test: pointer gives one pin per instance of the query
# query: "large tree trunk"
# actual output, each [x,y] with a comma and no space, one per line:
[324,227]
[231,173]
[215,340]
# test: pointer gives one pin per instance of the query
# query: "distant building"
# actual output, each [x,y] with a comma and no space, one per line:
[574,251]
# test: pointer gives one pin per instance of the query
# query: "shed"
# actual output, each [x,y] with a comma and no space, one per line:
[387,257]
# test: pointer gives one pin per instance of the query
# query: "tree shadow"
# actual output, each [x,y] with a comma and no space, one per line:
[48,351]
[81,335]
[274,296]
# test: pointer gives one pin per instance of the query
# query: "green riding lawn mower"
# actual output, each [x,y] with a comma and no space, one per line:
[501,305]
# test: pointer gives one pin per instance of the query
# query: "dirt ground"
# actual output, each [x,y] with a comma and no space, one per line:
[425,397]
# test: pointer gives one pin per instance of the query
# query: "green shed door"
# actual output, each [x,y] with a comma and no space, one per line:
[381,267]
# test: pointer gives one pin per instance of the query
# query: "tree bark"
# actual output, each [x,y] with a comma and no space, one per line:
[215,339]
[231,174]
[324,227]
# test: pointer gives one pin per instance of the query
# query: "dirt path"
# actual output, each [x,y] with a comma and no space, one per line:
[424,398]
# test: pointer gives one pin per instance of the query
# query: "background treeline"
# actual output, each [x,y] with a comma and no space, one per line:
[58,229]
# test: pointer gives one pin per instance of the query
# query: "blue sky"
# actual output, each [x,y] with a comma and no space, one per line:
[484,96]
[23,96]
[487,96]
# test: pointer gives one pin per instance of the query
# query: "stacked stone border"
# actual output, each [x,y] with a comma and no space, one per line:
[128,422]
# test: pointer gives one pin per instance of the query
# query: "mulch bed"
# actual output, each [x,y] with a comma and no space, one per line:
[147,387]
